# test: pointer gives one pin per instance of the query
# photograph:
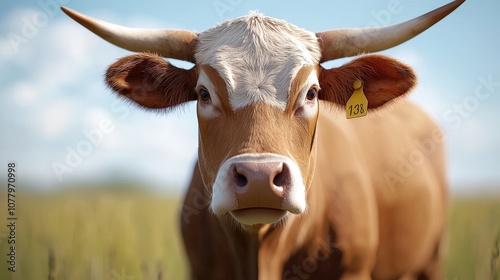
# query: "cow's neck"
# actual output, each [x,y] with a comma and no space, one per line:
[243,246]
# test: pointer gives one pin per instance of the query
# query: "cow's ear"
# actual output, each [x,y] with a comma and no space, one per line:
[384,79]
[151,81]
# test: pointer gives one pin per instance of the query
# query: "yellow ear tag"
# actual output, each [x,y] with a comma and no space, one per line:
[357,105]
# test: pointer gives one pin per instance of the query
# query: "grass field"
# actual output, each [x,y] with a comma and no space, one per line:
[125,234]
[474,239]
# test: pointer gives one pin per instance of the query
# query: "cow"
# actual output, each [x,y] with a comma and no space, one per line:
[287,187]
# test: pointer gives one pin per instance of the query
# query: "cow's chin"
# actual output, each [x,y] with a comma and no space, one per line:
[258,216]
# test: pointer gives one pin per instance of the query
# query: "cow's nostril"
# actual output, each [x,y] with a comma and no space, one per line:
[240,179]
[279,180]
[282,179]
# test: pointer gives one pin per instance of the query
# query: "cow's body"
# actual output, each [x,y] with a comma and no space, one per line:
[359,215]
[286,187]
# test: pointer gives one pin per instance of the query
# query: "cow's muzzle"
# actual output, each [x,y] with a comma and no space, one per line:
[259,188]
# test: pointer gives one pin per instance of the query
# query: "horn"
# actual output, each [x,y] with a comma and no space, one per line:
[341,43]
[178,44]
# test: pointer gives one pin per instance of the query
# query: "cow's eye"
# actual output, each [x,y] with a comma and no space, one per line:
[311,93]
[204,94]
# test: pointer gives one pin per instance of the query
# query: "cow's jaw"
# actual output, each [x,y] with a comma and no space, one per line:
[259,188]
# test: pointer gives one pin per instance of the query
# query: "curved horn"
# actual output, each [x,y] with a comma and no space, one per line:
[349,42]
[177,44]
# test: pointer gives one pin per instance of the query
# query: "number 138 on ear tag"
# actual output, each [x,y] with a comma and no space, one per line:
[357,105]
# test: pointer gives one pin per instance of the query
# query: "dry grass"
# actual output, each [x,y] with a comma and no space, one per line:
[112,234]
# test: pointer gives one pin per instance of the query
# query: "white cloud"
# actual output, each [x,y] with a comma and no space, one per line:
[94,116]
[18,32]
[25,93]
[477,137]
[56,119]
[408,56]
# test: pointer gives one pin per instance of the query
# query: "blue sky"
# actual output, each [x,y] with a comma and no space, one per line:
[56,111]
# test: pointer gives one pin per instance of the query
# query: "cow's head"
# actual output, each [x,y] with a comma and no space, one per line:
[257,81]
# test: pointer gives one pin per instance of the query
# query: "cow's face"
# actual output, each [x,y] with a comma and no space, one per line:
[257,109]
[257,82]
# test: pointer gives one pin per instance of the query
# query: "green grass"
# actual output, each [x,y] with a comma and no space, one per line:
[95,235]
[474,239]
[114,234]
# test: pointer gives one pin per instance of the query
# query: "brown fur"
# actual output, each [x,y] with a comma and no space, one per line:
[151,81]
[384,80]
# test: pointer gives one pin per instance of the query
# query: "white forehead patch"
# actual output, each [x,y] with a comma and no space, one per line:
[257,57]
